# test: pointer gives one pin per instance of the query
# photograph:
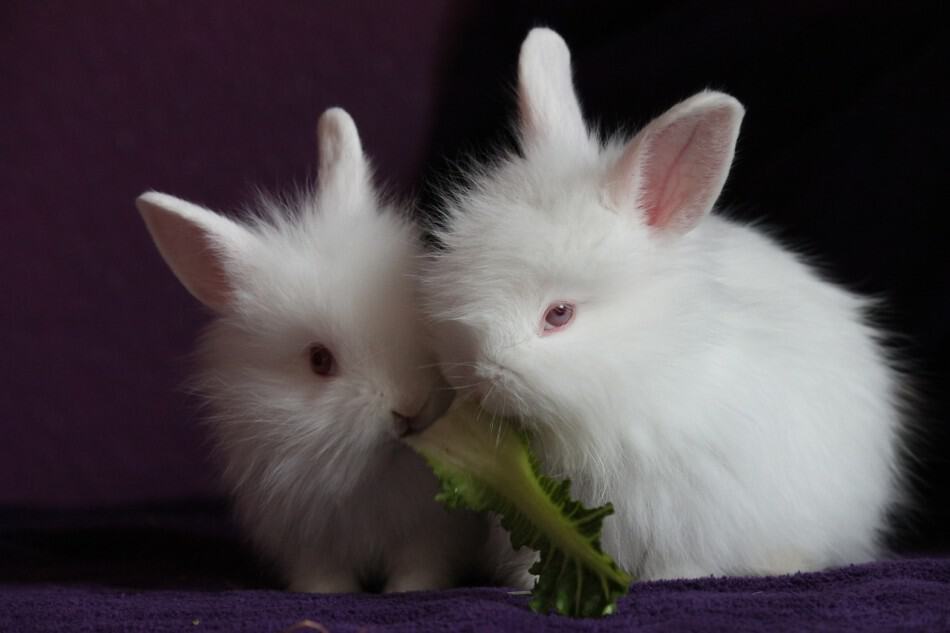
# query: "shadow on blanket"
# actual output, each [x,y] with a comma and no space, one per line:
[181,566]
[180,545]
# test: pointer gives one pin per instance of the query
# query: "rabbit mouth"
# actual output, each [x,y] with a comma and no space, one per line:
[497,391]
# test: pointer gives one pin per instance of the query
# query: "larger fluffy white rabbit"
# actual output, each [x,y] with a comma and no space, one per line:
[314,367]
[735,407]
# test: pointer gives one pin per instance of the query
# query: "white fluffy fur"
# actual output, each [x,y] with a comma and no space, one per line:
[736,408]
[319,478]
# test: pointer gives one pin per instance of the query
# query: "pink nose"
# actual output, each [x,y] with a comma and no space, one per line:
[401,423]
[439,400]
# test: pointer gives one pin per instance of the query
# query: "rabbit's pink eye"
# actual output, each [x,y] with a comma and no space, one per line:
[558,316]
[321,360]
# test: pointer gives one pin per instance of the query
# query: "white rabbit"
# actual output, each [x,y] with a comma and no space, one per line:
[736,408]
[314,367]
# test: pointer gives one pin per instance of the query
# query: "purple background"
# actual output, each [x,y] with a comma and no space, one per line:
[843,149]
[103,100]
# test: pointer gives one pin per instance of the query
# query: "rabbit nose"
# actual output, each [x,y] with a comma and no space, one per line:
[401,424]
[438,402]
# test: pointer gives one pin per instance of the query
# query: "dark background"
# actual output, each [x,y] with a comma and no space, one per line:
[843,150]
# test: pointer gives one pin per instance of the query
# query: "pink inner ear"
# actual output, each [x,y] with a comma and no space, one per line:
[190,253]
[684,168]
[674,169]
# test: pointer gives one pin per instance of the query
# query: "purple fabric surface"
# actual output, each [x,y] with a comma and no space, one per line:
[908,595]
[162,568]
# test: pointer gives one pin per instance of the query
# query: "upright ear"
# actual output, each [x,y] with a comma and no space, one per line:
[674,169]
[343,169]
[200,246]
[547,103]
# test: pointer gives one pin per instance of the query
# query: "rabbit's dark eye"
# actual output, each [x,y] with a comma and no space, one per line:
[321,361]
[558,316]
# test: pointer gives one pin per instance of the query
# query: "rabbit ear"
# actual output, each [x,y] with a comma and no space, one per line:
[548,106]
[200,246]
[674,169]
[343,170]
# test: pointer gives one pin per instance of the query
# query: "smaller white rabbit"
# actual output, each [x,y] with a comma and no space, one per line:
[736,408]
[315,366]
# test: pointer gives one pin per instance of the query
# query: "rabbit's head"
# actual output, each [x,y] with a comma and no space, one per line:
[561,276]
[316,361]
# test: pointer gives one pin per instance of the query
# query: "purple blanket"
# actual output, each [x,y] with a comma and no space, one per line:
[182,569]
[903,595]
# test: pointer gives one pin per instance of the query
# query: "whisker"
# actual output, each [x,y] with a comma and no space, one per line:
[468,364]
[467,386]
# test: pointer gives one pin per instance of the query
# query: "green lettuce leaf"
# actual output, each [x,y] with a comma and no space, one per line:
[489,467]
